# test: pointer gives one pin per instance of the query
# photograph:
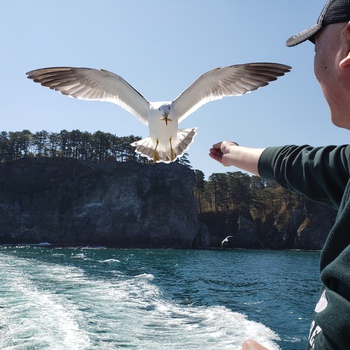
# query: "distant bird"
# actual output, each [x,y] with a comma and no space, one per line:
[166,141]
[226,240]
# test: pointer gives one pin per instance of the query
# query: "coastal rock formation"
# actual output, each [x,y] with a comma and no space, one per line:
[306,228]
[71,202]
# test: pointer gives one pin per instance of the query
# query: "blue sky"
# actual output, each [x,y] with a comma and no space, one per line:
[160,47]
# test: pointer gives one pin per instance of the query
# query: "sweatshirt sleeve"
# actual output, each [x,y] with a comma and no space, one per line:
[320,173]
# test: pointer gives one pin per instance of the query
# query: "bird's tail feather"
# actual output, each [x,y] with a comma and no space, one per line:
[160,152]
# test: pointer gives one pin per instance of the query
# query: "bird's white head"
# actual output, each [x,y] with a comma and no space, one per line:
[165,110]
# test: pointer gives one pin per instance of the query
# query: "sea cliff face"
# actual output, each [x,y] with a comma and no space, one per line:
[305,229]
[70,202]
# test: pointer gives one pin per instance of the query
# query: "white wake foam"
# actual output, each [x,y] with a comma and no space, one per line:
[53,306]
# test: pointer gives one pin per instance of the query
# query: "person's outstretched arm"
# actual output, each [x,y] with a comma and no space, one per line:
[230,154]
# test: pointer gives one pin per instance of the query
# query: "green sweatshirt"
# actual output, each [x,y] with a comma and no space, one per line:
[323,175]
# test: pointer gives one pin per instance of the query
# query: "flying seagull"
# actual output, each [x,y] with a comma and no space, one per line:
[226,240]
[166,141]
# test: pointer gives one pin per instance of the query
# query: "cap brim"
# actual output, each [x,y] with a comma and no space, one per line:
[307,34]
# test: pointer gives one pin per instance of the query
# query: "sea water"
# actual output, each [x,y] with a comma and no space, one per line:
[100,298]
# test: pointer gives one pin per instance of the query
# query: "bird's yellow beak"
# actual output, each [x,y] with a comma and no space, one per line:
[165,118]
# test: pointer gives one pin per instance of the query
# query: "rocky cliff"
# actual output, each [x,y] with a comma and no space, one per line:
[70,202]
[304,228]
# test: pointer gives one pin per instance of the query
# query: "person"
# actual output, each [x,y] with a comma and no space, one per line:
[322,174]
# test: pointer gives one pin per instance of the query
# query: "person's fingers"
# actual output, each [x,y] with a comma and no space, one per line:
[217,145]
[216,154]
[215,150]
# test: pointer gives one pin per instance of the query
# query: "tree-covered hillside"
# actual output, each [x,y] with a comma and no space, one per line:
[256,213]
[94,147]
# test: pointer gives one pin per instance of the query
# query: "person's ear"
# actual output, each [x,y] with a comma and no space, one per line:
[345,62]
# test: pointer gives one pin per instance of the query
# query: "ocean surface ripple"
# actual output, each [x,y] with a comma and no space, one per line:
[89,298]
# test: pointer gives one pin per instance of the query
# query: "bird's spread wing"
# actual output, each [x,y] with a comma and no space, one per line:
[227,81]
[93,84]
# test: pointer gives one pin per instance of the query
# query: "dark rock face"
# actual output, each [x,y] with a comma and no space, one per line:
[69,202]
[305,229]
[313,231]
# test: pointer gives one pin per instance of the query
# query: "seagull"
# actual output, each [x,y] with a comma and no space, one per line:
[166,142]
[226,240]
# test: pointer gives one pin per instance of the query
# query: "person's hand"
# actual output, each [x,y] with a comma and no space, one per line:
[223,152]
[229,153]
[252,345]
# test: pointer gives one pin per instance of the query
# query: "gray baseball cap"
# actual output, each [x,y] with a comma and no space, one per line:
[335,11]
